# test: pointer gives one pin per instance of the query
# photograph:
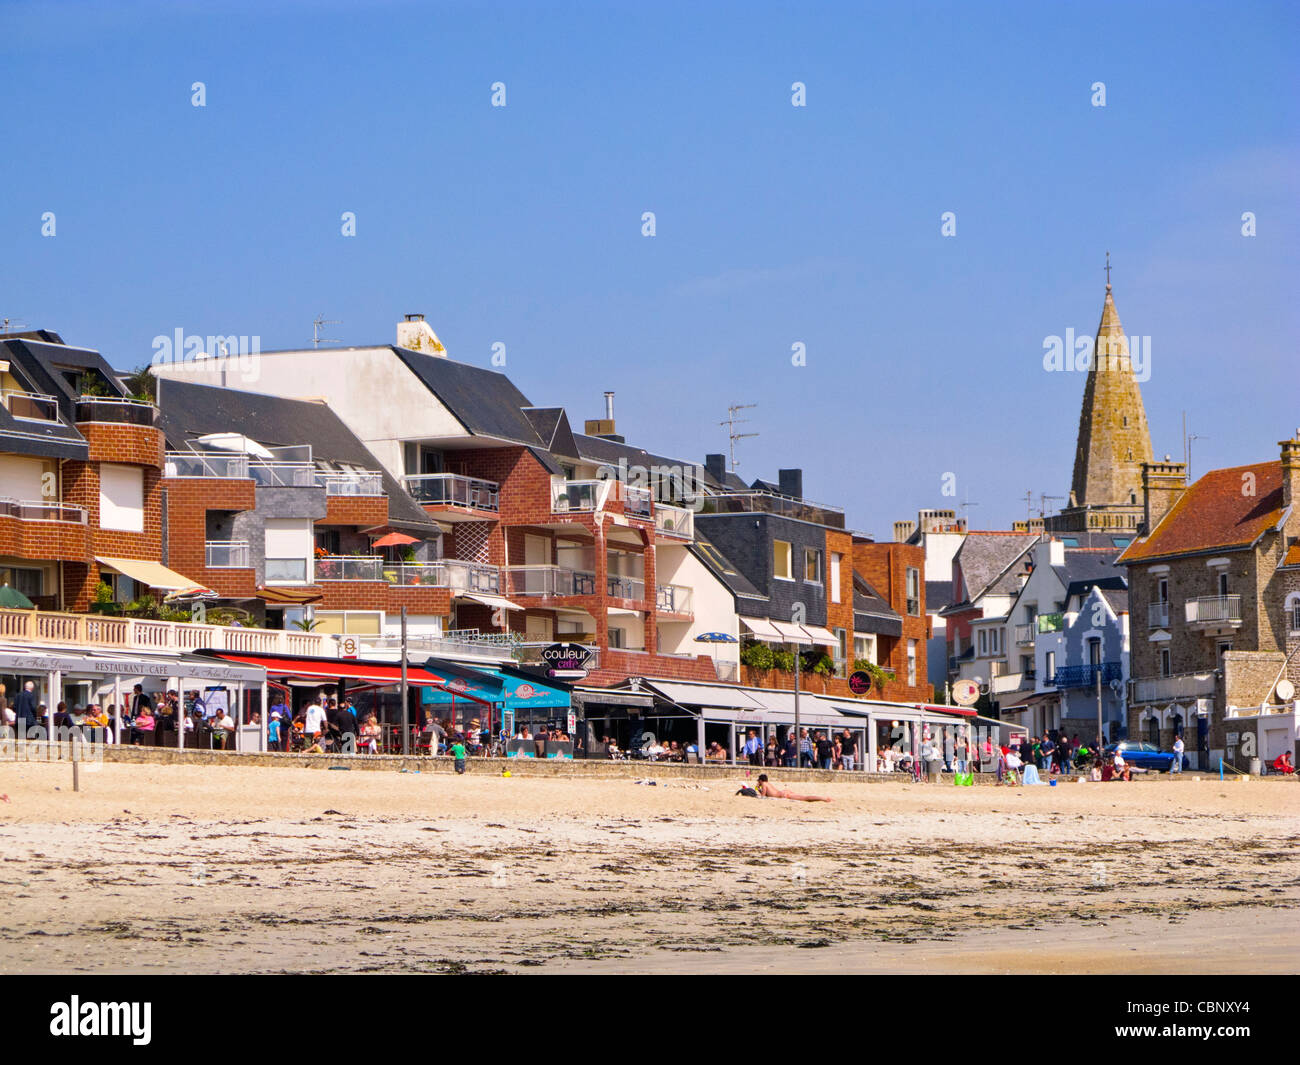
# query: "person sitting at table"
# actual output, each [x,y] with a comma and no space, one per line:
[371,734]
[143,727]
[1122,771]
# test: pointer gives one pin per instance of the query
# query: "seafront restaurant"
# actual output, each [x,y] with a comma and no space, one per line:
[438,688]
[108,679]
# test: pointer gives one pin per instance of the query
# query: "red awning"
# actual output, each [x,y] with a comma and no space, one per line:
[962,710]
[336,669]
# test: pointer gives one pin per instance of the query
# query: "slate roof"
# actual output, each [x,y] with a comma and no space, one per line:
[190,411]
[1215,514]
[1117,598]
[722,568]
[938,594]
[871,611]
[988,561]
[1084,566]
[485,402]
[39,363]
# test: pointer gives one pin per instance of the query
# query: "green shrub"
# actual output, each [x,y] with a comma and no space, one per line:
[757,656]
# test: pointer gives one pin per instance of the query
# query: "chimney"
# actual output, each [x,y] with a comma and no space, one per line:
[603,427]
[415,334]
[790,482]
[1162,484]
[903,531]
[1291,471]
[716,467]
[1055,552]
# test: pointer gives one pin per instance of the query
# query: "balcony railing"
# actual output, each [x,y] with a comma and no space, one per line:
[36,510]
[578,496]
[286,571]
[677,522]
[1086,676]
[226,554]
[1158,615]
[349,568]
[453,490]
[450,573]
[637,502]
[30,406]
[350,484]
[1178,686]
[673,599]
[1027,633]
[1213,610]
[95,630]
[116,410]
[549,581]
[272,474]
[620,587]
[205,464]
[774,503]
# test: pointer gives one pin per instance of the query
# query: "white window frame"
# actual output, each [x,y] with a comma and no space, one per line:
[835,576]
[789,560]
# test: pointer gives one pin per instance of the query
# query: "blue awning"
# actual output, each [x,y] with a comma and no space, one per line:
[525,693]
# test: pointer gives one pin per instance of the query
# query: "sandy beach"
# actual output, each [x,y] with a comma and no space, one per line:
[185,868]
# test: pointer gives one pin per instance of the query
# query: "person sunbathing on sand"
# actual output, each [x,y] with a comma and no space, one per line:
[770,791]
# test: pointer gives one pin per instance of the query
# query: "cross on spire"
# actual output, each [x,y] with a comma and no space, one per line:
[1108,271]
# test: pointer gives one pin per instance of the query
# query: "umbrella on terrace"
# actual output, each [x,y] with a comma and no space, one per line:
[715,638]
[395,539]
[12,599]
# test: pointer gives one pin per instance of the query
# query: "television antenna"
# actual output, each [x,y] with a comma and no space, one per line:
[1043,500]
[730,425]
[12,322]
[316,339]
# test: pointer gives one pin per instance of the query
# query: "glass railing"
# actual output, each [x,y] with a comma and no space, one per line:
[205,464]
[349,568]
[226,554]
[282,474]
[36,510]
[450,573]
[1158,615]
[1177,686]
[638,502]
[673,599]
[453,490]
[678,522]
[549,581]
[773,503]
[286,571]
[1027,633]
[350,484]
[30,406]
[621,587]
[116,410]
[576,496]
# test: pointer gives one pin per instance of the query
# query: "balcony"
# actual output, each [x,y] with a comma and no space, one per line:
[226,554]
[1213,611]
[637,502]
[205,464]
[1158,615]
[37,510]
[30,406]
[621,587]
[1086,676]
[578,497]
[1167,689]
[445,573]
[350,484]
[349,568]
[116,410]
[673,599]
[439,490]
[774,503]
[1026,634]
[677,523]
[273,474]
[548,581]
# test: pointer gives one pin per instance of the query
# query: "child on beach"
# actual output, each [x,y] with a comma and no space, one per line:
[458,753]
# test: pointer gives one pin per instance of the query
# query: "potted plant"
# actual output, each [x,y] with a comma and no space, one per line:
[101,601]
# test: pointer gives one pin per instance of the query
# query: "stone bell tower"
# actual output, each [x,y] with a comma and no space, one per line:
[1114,440]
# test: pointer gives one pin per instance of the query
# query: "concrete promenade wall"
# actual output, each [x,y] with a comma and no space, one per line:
[533,767]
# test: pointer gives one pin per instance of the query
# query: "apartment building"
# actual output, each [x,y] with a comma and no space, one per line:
[81,465]
[1213,582]
[512,489]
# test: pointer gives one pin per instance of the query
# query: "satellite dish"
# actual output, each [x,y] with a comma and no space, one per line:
[1285,690]
[1116,685]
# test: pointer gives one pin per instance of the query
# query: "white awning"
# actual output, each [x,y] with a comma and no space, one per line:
[762,629]
[821,635]
[792,633]
[496,602]
[152,574]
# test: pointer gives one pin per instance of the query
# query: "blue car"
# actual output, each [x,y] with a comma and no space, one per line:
[1143,755]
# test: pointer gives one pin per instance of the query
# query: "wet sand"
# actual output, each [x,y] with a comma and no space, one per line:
[155,868]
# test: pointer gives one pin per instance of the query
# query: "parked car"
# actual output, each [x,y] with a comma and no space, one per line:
[1141,755]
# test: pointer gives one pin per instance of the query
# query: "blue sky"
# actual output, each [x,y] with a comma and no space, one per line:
[775,225]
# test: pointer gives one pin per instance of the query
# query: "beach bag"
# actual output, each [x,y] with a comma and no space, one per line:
[963,780]
[748,792]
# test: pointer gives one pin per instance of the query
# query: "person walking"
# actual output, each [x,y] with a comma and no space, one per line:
[1063,753]
[1047,749]
[753,749]
[26,709]
[848,750]
[825,751]
[1179,747]
[805,750]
